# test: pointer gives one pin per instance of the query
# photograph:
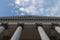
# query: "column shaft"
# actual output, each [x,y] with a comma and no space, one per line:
[43,34]
[1,29]
[17,34]
[57,28]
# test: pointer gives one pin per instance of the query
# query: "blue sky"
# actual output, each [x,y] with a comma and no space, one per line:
[30,7]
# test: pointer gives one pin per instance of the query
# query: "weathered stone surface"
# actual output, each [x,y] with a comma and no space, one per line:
[29,25]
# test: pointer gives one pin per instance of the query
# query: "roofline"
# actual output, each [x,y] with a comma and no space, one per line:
[30,17]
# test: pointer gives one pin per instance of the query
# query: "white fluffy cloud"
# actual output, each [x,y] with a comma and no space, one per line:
[37,7]
[31,9]
[22,14]
[52,11]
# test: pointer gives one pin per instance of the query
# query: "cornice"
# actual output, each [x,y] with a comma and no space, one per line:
[29,18]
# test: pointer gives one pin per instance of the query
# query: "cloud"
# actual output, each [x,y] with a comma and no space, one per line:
[17,2]
[31,9]
[22,9]
[52,11]
[38,7]
[22,14]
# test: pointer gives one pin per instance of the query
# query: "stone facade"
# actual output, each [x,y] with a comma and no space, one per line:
[30,25]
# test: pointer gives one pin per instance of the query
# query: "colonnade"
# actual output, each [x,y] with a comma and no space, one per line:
[42,33]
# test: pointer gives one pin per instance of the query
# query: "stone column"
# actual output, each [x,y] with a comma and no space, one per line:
[1,32]
[43,34]
[57,28]
[17,34]
[1,29]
